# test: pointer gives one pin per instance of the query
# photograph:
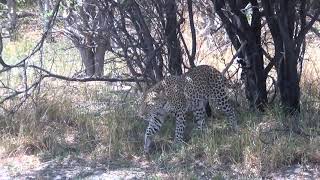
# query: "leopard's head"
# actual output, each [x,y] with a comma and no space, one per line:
[151,102]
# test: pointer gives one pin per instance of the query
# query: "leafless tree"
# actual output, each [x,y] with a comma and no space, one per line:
[46,9]
[12,17]
[85,25]
[288,24]
[146,37]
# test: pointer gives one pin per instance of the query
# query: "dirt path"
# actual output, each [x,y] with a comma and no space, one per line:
[31,167]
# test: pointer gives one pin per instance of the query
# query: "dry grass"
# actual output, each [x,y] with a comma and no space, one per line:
[58,123]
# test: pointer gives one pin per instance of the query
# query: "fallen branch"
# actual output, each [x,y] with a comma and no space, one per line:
[24,14]
[90,79]
[52,75]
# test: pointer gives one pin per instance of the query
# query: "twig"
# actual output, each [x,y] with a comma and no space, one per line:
[234,57]
[20,92]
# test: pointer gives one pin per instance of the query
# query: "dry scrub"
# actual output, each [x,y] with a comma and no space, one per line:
[99,123]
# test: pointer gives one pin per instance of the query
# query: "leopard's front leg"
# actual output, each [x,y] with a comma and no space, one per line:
[155,123]
[199,112]
[180,126]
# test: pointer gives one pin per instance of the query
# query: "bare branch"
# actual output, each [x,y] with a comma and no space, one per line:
[16,93]
[306,28]
[39,44]
[86,79]
[234,57]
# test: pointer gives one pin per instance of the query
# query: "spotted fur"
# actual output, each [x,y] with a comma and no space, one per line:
[177,95]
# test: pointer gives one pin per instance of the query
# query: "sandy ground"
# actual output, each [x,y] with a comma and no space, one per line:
[32,167]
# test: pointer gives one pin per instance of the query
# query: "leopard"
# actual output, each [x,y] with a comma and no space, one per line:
[177,95]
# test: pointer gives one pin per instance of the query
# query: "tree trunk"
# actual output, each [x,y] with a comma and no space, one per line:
[193,34]
[254,55]
[288,80]
[259,70]
[12,17]
[100,51]
[255,82]
[173,45]
[240,30]
[87,56]
[286,55]
[45,8]
[287,73]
